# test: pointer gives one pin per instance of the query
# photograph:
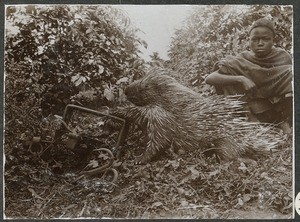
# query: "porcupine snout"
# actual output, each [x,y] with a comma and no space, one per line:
[133,95]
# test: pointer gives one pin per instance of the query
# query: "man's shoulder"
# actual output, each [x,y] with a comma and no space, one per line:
[282,54]
[279,50]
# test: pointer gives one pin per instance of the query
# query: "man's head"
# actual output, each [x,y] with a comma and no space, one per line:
[262,34]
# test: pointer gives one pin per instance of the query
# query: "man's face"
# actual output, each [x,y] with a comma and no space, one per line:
[261,41]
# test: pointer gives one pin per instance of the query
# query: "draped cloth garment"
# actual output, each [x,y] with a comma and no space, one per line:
[272,76]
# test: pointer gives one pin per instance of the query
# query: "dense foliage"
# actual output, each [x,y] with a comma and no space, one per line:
[212,32]
[55,51]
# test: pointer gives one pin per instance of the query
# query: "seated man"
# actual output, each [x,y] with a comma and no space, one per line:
[263,75]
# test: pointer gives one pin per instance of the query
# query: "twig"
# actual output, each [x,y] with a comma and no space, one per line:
[192,207]
[279,171]
[83,209]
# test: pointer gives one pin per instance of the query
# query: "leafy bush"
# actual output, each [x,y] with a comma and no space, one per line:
[212,32]
[55,51]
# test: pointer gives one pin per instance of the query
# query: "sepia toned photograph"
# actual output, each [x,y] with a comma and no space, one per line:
[148,111]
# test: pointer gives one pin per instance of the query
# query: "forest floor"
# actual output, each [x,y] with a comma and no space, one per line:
[49,185]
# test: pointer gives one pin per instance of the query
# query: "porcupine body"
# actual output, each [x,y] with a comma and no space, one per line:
[174,116]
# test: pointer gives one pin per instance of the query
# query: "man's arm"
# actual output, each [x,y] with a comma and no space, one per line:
[216,78]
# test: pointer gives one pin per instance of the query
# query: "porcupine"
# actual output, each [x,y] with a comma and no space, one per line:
[174,116]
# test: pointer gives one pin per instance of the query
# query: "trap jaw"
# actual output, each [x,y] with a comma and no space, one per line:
[74,138]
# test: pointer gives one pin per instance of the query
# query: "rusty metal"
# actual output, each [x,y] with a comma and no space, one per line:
[102,168]
[70,108]
[35,146]
[72,139]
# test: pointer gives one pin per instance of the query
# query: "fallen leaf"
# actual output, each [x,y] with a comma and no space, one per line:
[93,164]
[184,203]
[240,202]
[243,167]
[246,198]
